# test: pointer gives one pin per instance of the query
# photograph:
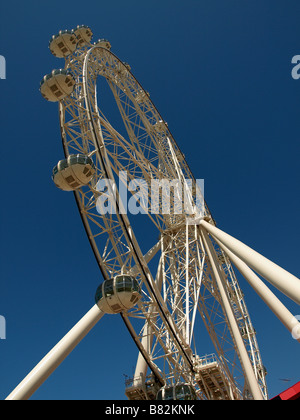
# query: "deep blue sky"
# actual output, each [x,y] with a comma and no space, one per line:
[219,72]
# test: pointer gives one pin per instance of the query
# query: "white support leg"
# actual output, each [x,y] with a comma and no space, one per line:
[276,306]
[241,349]
[56,356]
[280,278]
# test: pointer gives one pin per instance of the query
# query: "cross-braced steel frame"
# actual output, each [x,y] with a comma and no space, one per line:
[186,274]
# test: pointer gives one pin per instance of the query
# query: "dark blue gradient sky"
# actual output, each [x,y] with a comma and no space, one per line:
[219,72]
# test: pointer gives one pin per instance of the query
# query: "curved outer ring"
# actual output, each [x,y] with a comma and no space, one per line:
[126,225]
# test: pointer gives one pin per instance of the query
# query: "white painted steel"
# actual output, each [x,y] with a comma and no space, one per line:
[276,306]
[149,152]
[56,356]
[242,352]
[284,281]
[184,288]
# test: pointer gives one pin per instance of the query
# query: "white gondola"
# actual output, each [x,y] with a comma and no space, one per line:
[57,85]
[104,43]
[118,294]
[73,173]
[177,392]
[84,34]
[63,44]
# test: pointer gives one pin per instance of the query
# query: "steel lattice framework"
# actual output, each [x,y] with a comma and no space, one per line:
[168,243]
[183,286]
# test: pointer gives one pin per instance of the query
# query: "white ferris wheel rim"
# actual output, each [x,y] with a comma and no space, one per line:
[127,227]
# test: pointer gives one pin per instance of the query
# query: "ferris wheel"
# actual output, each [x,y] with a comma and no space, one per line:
[167,268]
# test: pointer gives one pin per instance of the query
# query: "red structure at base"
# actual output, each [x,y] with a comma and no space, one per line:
[292,393]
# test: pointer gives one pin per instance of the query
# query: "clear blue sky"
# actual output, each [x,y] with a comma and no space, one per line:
[219,72]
